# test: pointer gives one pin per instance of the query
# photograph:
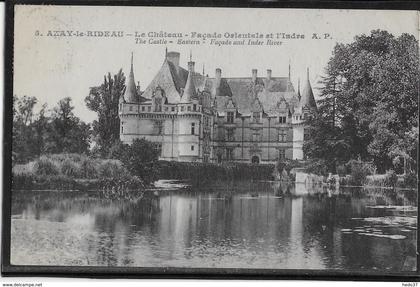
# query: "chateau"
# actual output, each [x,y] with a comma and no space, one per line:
[197,118]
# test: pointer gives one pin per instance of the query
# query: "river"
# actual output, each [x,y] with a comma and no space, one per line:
[232,225]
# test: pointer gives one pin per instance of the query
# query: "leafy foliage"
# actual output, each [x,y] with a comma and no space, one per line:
[104,101]
[44,132]
[368,107]
[140,158]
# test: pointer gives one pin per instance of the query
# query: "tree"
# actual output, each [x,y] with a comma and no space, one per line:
[104,101]
[140,158]
[67,133]
[368,101]
[23,146]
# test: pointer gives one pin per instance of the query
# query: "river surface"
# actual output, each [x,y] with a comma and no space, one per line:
[234,225]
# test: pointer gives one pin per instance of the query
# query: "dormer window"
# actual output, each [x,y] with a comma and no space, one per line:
[256,116]
[282,119]
[230,117]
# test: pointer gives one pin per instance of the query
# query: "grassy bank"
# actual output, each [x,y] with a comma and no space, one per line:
[73,172]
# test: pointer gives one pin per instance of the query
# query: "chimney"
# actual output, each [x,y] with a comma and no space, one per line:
[191,65]
[254,75]
[138,87]
[269,74]
[173,57]
[218,74]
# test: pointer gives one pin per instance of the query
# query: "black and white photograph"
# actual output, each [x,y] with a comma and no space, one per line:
[214,139]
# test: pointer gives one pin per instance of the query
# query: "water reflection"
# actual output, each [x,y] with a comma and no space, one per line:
[236,224]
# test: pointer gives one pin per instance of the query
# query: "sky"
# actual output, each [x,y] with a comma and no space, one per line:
[51,68]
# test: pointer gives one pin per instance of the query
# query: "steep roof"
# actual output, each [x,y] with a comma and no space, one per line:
[130,94]
[173,81]
[244,92]
[189,90]
[307,100]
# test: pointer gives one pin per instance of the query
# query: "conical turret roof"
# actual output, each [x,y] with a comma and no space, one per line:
[298,92]
[189,89]
[130,94]
[307,99]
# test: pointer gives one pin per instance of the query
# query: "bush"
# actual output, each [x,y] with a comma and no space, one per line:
[391,178]
[62,157]
[45,166]
[88,168]
[111,169]
[341,170]
[70,168]
[410,180]
[358,171]
[317,167]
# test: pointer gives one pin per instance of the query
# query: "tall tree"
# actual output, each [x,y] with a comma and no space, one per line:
[67,133]
[104,101]
[23,114]
[368,103]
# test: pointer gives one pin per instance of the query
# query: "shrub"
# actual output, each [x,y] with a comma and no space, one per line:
[70,168]
[410,180]
[358,171]
[88,168]
[316,167]
[341,170]
[111,169]
[391,178]
[45,166]
[61,157]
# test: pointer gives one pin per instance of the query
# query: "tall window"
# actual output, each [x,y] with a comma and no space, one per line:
[122,127]
[229,154]
[131,108]
[194,107]
[230,134]
[255,137]
[189,108]
[256,116]
[282,153]
[282,135]
[193,128]
[230,117]
[282,120]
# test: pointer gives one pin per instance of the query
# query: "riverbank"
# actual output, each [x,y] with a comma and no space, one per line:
[73,172]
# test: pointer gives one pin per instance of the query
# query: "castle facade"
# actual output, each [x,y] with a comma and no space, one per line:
[197,118]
